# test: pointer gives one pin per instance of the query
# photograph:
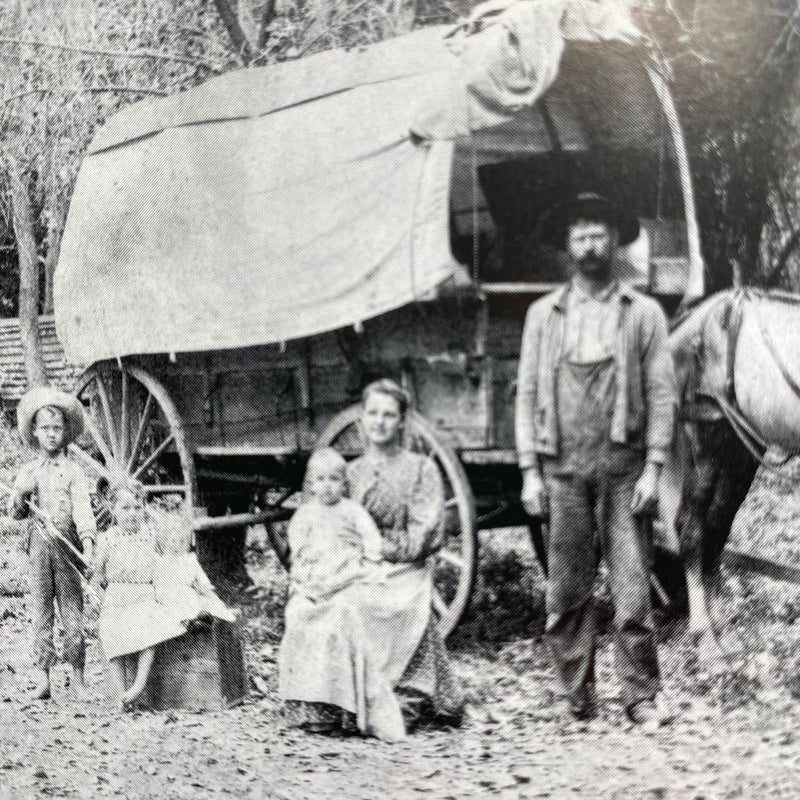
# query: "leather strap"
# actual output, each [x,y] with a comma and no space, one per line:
[735,316]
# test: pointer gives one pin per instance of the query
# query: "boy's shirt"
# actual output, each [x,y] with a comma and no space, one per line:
[62,494]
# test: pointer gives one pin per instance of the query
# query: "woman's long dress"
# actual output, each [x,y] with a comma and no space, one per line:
[403,493]
[131,620]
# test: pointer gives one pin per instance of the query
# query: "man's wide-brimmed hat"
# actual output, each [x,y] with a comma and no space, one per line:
[554,224]
[42,397]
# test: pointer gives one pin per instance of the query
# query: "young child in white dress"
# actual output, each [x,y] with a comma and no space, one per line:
[333,541]
[132,622]
[182,587]
[329,671]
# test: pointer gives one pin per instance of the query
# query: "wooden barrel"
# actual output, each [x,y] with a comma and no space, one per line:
[201,670]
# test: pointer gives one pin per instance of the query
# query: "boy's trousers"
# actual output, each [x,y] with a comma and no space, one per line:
[54,576]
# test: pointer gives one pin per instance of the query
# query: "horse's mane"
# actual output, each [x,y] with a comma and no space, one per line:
[689,322]
[687,310]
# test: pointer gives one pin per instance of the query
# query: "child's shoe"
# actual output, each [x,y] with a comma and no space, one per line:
[42,689]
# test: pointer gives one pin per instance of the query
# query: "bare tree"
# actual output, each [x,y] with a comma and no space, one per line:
[65,66]
[28,278]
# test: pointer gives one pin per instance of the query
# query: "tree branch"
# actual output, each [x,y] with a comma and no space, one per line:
[110,53]
[89,89]
[235,31]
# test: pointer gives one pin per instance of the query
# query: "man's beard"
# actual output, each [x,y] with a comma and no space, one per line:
[593,264]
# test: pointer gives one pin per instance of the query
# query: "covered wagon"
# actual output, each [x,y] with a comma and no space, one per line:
[242,258]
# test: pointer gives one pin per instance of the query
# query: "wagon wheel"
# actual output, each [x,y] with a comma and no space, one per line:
[133,430]
[456,562]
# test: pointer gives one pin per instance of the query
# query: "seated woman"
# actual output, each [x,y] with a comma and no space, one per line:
[330,672]
[403,493]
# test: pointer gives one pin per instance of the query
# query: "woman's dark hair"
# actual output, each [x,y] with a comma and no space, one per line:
[391,389]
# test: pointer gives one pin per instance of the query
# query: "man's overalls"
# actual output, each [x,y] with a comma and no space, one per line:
[590,487]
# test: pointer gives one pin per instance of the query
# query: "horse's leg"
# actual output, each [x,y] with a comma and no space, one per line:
[695,533]
[691,540]
[735,472]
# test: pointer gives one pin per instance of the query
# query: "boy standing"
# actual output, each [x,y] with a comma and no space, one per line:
[49,420]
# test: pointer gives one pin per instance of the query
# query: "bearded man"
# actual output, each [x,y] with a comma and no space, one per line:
[595,415]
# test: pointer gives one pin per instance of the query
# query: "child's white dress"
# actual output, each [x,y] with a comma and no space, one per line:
[185,591]
[131,620]
[326,654]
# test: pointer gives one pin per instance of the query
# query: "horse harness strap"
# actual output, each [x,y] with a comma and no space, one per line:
[735,318]
[726,400]
[748,435]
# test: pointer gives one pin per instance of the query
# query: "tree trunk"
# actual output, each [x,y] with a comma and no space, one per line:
[28,278]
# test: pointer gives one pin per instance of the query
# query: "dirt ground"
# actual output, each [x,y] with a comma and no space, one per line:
[736,735]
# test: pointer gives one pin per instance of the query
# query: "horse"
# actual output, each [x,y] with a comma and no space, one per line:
[737,363]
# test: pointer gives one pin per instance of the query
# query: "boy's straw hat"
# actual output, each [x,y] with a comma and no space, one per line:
[43,396]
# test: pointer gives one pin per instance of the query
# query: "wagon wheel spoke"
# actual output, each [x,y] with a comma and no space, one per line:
[108,417]
[140,432]
[439,605]
[99,441]
[124,422]
[451,558]
[153,457]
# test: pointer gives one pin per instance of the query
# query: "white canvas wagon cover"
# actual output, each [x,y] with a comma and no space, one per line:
[283,201]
